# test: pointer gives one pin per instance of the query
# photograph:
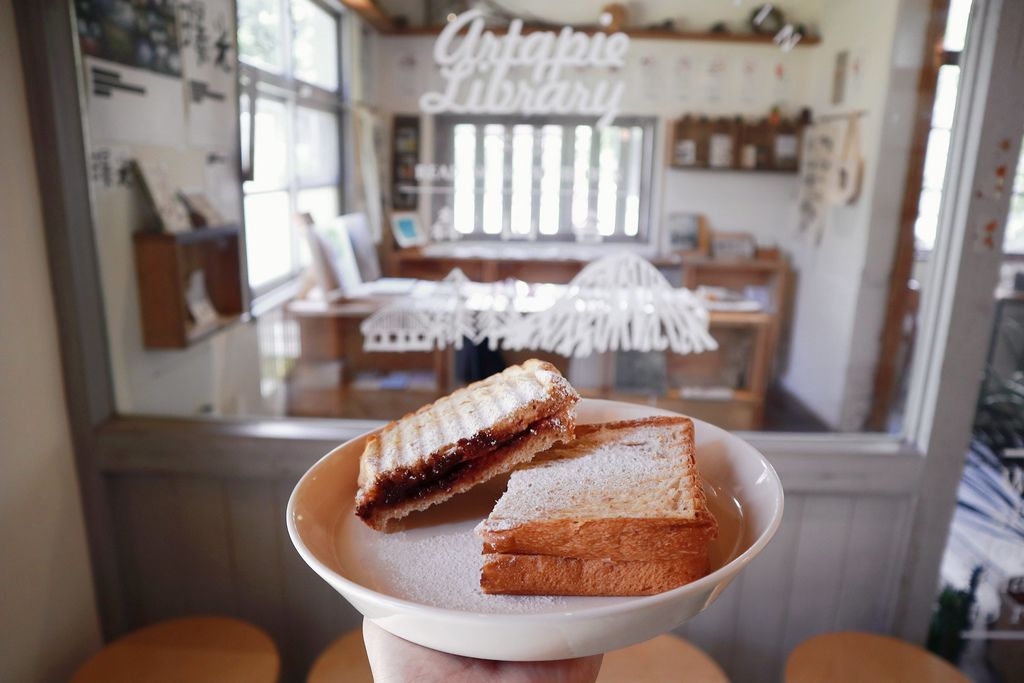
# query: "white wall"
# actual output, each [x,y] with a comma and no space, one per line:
[48,622]
[843,282]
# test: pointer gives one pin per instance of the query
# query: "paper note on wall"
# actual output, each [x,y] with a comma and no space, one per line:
[208,55]
[125,103]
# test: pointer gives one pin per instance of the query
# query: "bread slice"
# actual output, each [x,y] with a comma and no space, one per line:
[625,490]
[461,440]
[618,511]
[546,575]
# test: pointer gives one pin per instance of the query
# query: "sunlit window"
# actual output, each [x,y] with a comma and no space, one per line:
[937,151]
[560,180]
[294,162]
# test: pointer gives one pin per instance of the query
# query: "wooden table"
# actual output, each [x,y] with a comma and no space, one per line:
[850,657]
[329,331]
[191,650]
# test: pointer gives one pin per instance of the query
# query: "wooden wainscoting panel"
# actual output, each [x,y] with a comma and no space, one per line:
[190,544]
[817,568]
[764,595]
[315,613]
[873,553]
[210,577]
[257,553]
[147,523]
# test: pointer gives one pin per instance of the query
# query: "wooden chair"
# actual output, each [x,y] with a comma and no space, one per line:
[190,650]
[660,659]
[850,657]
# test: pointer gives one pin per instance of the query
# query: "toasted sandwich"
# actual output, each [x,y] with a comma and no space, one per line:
[476,433]
[618,511]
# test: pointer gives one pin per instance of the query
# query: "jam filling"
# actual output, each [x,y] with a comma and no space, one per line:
[444,472]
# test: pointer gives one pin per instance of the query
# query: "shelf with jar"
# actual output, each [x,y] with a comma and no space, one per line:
[770,144]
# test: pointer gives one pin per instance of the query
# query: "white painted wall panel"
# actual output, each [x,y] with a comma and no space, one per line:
[206,545]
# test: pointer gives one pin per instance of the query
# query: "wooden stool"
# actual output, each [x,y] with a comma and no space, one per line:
[191,650]
[665,658]
[850,657]
[661,659]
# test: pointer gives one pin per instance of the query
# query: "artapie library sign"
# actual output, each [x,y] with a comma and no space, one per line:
[535,73]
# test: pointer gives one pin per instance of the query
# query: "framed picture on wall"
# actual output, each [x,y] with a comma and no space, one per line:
[685,234]
[407,229]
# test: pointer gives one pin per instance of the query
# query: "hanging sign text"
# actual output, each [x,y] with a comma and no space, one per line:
[477,68]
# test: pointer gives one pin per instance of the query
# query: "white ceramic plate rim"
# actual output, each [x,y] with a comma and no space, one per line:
[728,569]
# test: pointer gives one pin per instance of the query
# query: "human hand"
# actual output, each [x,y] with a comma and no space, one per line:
[394,660]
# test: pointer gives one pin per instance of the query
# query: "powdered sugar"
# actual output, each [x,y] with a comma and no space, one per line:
[437,565]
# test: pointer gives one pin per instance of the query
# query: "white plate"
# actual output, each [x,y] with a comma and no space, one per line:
[422,584]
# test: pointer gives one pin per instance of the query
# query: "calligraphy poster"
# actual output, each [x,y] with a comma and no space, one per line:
[716,77]
[208,56]
[683,78]
[750,81]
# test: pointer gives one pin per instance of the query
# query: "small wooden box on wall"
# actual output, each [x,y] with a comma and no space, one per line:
[164,264]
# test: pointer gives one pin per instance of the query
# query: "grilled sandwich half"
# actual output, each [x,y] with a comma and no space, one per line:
[476,433]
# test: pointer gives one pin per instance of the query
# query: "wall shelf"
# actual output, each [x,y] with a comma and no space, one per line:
[164,264]
[638,34]
[715,169]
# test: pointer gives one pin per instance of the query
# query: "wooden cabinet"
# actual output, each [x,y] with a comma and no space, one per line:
[164,266]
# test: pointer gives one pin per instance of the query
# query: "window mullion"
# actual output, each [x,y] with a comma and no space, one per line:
[593,177]
[621,182]
[565,179]
[479,177]
[536,177]
[506,184]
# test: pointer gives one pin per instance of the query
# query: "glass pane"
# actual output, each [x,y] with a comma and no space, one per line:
[261,34]
[317,154]
[935,159]
[956,25]
[927,219]
[1013,242]
[322,202]
[315,45]
[268,237]
[551,178]
[522,179]
[945,96]
[244,121]
[635,137]
[270,151]
[465,174]
[494,178]
[581,177]
[608,180]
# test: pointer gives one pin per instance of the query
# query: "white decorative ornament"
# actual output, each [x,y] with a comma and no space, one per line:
[620,303]
[478,68]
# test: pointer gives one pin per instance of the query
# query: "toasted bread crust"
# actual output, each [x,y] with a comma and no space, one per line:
[545,575]
[616,539]
[536,438]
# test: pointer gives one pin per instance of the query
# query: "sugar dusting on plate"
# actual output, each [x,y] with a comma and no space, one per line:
[436,565]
